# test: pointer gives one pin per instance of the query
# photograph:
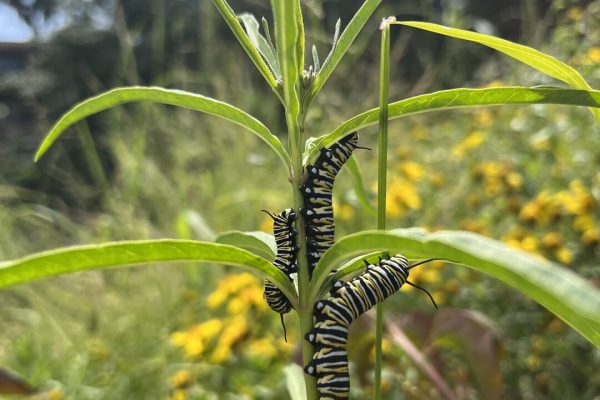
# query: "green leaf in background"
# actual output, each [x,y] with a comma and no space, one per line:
[458,98]
[350,33]
[126,253]
[231,20]
[561,291]
[353,169]
[261,44]
[173,97]
[257,242]
[527,55]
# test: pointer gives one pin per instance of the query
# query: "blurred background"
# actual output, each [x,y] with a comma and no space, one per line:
[528,176]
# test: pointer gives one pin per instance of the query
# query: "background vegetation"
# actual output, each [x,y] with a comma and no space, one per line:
[526,175]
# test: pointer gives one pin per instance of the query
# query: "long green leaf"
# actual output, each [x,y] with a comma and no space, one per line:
[119,254]
[354,27]
[353,169]
[257,242]
[180,98]
[231,20]
[527,55]
[286,37]
[561,291]
[459,98]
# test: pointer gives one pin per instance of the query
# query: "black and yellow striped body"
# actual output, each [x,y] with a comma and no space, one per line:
[318,201]
[285,260]
[333,315]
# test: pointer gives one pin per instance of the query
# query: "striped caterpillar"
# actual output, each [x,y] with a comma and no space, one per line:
[285,260]
[317,194]
[333,315]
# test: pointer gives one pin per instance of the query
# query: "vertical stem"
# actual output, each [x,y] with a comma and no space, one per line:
[381,178]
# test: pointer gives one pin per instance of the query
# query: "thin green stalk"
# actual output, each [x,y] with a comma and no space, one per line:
[287,34]
[384,68]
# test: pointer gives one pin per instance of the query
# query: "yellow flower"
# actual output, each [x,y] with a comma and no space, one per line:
[574,13]
[235,329]
[564,255]
[180,378]
[402,195]
[231,284]
[178,395]
[343,211]
[419,132]
[237,306]
[533,362]
[593,55]
[591,237]
[474,226]
[551,240]
[514,180]
[584,223]
[471,142]
[576,201]
[483,117]
[267,224]
[262,348]
[194,339]
[412,170]
[436,179]
[55,394]
[529,243]
[493,84]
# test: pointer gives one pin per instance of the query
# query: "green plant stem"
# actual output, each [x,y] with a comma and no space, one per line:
[381,180]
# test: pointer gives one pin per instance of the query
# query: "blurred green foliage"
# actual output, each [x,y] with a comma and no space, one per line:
[528,176]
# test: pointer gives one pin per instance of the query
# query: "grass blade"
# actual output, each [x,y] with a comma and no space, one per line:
[527,55]
[126,253]
[560,290]
[384,83]
[233,22]
[180,98]
[459,98]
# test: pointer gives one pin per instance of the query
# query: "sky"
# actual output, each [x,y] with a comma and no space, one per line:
[12,27]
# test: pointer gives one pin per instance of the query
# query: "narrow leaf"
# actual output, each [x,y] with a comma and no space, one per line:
[527,55]
[120,254]
[353,169]
[257,242]
[343,44]
[235,26]
[180,98]
[458,98]
[561,291]
[261,44]
[286,35]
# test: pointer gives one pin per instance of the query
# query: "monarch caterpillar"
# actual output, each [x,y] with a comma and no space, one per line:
[285,260]
[317,194]
[333,315]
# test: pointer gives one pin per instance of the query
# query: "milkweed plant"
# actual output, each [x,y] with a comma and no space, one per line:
[280,56]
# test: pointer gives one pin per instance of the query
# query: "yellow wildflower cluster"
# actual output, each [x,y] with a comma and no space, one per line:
[240,292]
[402,194]
[576,202]
[471,142]
[497,178]
[215,338]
